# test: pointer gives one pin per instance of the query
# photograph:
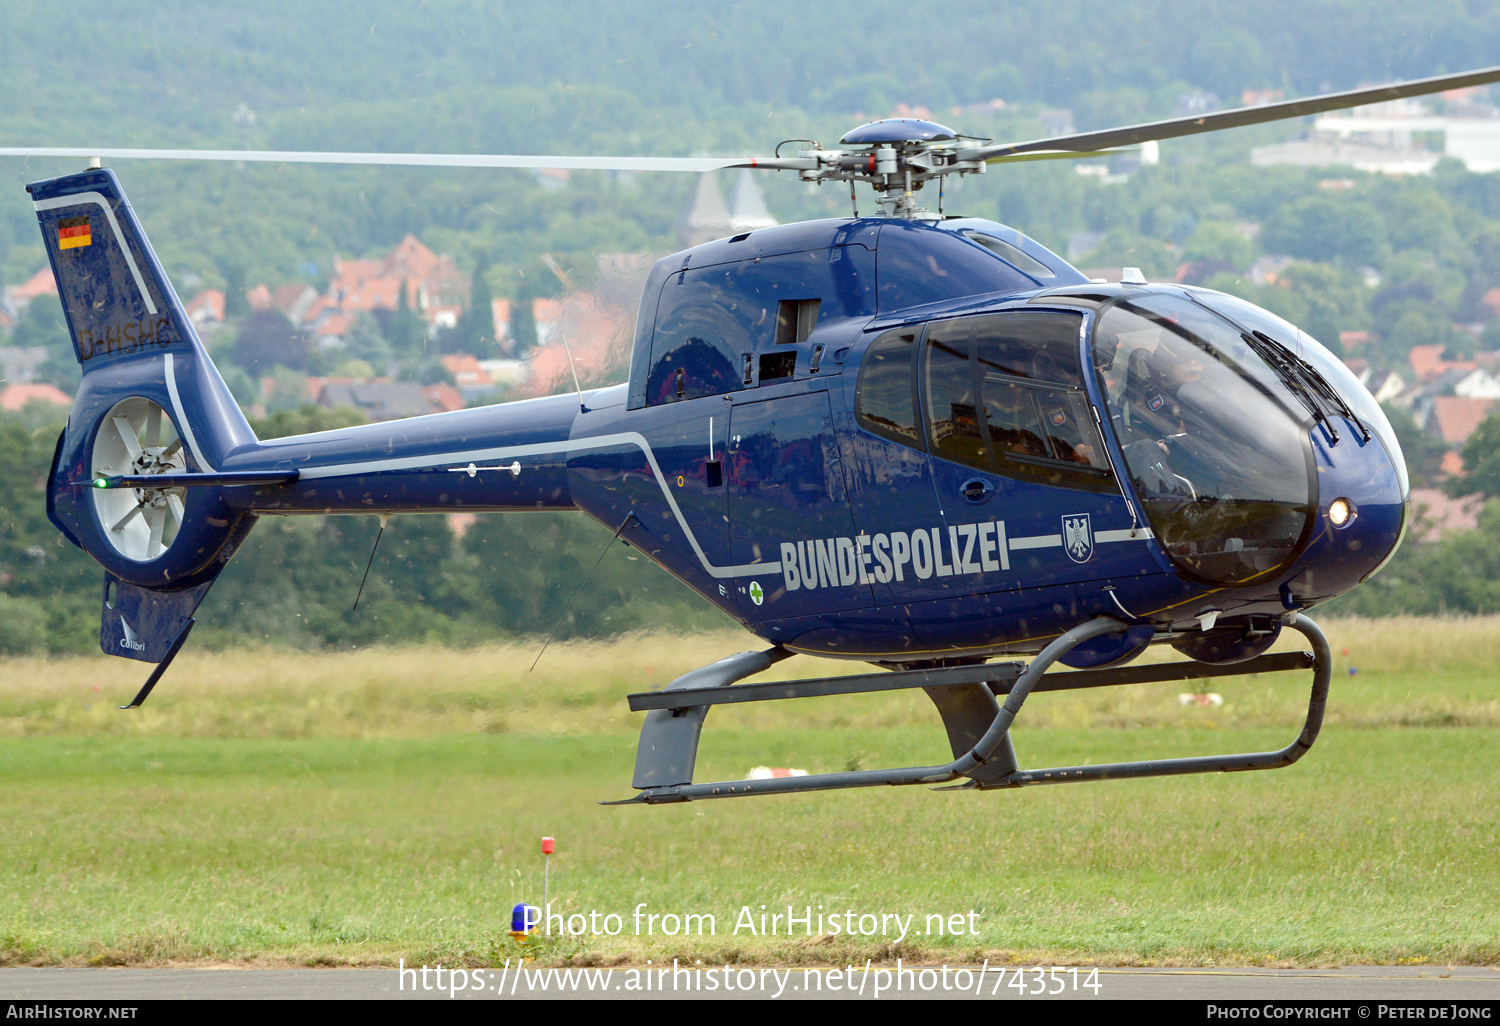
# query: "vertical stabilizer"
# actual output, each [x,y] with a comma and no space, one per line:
[150,403]
[122,310]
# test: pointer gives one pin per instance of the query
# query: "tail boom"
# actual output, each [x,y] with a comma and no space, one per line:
[158,475]
[495,458]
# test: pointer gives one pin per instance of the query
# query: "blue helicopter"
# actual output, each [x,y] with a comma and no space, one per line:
[915,440]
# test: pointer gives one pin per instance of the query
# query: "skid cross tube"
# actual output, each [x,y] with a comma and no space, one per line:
[991,756]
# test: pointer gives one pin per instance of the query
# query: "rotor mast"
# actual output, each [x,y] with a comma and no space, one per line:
[895,157]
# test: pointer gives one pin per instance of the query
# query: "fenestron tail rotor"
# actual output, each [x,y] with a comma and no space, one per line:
[138,438]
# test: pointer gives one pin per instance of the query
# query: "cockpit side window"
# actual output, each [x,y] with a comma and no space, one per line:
[884,397]
[1003,393]
[707,322]
[1014,256]
[916,265]
[730,326]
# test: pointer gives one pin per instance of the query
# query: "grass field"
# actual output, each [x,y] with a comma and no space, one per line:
[269,807]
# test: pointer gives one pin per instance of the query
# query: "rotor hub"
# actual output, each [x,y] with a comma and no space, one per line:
[895,157]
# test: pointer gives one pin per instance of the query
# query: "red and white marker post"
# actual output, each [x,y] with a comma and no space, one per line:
[548,846]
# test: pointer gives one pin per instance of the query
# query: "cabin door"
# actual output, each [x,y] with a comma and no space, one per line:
[789,510]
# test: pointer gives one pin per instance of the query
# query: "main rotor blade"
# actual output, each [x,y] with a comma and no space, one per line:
[1111,138]
[418,159]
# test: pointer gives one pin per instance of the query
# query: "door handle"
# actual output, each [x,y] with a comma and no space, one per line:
[977,490]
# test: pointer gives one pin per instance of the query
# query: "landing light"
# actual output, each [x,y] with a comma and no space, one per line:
[1340,511]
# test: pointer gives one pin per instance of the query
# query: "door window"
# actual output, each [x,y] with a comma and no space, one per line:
[1004,394]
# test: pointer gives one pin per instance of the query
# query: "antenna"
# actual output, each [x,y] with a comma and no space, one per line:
[564,336]
[553,633]
[385,518]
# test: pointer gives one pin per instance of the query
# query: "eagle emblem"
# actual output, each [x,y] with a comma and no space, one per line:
[1078,537]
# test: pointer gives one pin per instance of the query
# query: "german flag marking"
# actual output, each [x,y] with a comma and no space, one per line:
[73,232]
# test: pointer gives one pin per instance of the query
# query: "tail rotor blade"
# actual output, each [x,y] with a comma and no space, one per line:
[120,524]
[174,506]
[128,436]
[156,519]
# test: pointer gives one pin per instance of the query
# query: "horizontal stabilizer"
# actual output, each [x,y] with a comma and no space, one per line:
[222,480]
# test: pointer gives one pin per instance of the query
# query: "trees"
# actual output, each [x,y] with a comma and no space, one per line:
[267,340]
[1481,455]
[522,322]
[405,329]
[1422,450]
[364,341]
[1459,574]
[48,589]
[1325,228]
[1321,299]
[43,326]
[475,331]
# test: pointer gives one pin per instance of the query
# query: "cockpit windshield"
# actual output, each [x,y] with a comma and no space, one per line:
[1362,407]
[1215,437]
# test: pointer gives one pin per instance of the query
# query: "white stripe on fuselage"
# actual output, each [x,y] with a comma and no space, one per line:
[1053,541]
[185,425]
[500,455]
[631,439]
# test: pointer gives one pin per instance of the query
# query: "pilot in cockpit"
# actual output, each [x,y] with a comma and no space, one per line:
[1173,394]
[1163,403]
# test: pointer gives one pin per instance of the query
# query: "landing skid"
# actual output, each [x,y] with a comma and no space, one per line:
[978,725]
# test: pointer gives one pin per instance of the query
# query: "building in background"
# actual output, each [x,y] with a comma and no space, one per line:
[432,283]
[707,217]
[390,400]
[1398,137]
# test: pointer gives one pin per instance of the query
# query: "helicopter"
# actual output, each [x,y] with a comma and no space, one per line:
[921,441]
